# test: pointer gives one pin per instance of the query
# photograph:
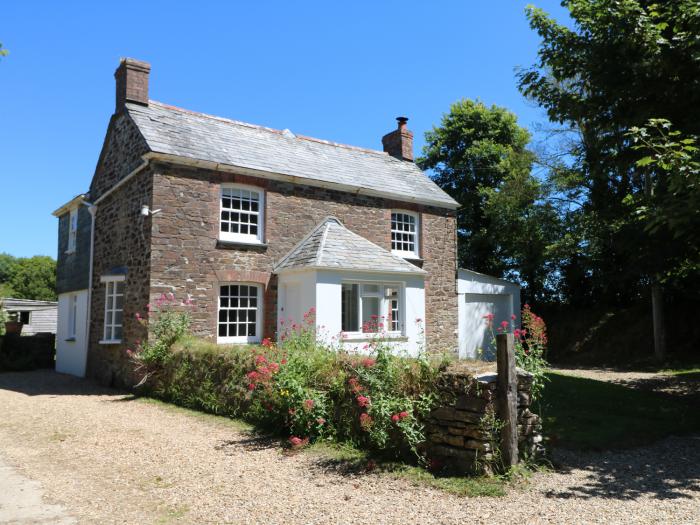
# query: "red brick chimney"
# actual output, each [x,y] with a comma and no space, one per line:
[399,143]
[132,82]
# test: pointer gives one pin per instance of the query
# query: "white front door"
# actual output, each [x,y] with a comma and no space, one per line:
[71,333]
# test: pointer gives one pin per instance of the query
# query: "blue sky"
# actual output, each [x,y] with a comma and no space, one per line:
[340,71]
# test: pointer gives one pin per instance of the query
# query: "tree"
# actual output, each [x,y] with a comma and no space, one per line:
[625,62]
[478,155]
[28,278]
[3,52]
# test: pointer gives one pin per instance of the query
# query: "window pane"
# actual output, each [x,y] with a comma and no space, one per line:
[119,287]
[118,317]
[117,332]
[238,310]
[370,289]
[349,307]
[370,314]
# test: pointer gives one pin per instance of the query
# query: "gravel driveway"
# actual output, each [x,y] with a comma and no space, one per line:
[108,459]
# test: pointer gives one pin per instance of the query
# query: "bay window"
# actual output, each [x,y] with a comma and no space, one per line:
[241,214]
[371,308]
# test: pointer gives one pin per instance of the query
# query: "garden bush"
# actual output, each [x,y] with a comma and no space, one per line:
[302,389]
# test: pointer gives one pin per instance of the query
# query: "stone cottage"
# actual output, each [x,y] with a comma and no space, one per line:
[257,226]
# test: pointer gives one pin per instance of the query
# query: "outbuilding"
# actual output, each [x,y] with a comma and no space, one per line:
[478,296]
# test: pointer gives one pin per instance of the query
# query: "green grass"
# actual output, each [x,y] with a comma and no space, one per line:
[583,413]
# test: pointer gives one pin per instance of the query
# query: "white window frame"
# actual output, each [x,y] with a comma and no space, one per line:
[72,315]
[384,308]
[258,316]
[241,237]
[110,328]
[415,254]
[72,230]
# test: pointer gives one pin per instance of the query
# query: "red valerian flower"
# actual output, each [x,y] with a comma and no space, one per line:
[320,421]
[251,386]
[138,316]
[309,404]
[266,342]
[504,324]
[368,362]
[366,421]
[489,317]
[355,385]
[296,442]
[403,414]
[260,359]
[362,401]
[284,361]
[253,375]
[512,316]
[274,367]
[395,418]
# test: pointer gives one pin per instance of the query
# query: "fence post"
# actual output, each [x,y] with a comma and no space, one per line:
[507,390]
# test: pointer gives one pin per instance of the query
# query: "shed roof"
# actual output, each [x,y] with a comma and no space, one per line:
[330,245]
[196,136]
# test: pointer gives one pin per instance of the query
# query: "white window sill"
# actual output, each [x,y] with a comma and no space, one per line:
[359,337]
[238,340]
[407,255]
[110,341]
[240,239]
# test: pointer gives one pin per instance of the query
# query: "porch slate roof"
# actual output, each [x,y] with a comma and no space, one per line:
[196,136]
[330,245]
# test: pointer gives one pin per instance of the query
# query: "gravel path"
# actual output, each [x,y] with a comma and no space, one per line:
[108,459]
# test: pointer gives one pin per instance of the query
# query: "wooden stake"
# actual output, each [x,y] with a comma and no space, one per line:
[507,391]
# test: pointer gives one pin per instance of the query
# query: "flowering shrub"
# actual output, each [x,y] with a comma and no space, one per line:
[299,387]
[530,345]
[167,327]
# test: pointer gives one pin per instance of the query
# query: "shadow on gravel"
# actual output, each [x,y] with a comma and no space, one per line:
[251,443]
[667,470]
[51,383]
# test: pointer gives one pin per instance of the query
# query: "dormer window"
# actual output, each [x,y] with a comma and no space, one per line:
[404,234]
[241,218]
[72,230]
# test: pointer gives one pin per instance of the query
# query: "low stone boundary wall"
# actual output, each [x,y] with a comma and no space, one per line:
[464,431]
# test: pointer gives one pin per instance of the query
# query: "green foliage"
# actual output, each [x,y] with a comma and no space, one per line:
[3,52]
[479,156]
[599,80]
[298,388]
[28,277]
[4,317]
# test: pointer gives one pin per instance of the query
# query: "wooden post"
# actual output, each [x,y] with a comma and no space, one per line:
[507,391]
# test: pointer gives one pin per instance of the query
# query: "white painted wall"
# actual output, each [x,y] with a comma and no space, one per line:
[71,356]
[479,295]
[298,292]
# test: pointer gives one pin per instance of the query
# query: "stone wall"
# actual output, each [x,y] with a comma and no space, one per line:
[463,431]
[187,259]
[122,246]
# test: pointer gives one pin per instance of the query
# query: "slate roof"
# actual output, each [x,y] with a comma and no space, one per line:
[331,245]
[174,131]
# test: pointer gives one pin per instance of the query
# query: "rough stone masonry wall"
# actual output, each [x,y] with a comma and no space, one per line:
[187,259]
[462,436]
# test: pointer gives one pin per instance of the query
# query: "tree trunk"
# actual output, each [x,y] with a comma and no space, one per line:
[657,310]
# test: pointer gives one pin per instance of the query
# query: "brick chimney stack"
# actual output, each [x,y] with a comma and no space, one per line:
[132,82]
[399,143]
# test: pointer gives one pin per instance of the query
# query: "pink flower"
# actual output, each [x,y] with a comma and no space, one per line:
[362,401]
[368,362]
[266,342]
[138,316]
[512,317]
[149,307]
[171,296]
[274,367]
[251,386]
[260,359]
[516,332]
[284,361]
[403,414]
[395,418]
[295,441]
[365,421]
[309,404]
[253,375]
[504,324]
[320,421]
[489,317]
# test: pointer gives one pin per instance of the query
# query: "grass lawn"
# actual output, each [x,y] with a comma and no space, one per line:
[583,413]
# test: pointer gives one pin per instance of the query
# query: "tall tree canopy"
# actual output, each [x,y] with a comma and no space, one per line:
[624,62]
[479,156]
[28,278]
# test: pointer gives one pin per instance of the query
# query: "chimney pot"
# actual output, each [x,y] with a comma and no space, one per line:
[399,143]
[132,82]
